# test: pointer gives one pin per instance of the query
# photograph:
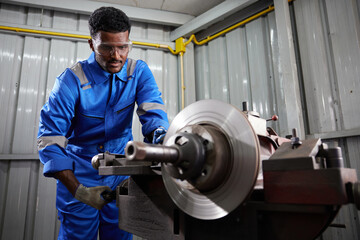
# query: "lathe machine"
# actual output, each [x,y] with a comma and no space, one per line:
[222,174]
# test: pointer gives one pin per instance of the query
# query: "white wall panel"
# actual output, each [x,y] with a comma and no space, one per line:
[219,88]
[39,17]
[239,79]
[344,34]
[4,172]
[11,52]
[65,21]
[202,73]
[329,38]
[82,24]
[171,86]
[276,84]
[259,68]
[321,106]
[155,62]
[16,200]
[46,213]
[13,14]
[30,97]
[238,67]
[83,51]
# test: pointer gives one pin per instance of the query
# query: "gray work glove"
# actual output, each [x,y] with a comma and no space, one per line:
[91,195]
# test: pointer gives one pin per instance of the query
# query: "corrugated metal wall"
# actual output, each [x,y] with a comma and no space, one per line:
[28,66]
[329,40]
[242,66]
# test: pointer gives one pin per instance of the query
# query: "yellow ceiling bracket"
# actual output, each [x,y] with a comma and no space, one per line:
[180,45]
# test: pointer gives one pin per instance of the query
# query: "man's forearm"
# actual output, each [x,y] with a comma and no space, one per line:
[68,178]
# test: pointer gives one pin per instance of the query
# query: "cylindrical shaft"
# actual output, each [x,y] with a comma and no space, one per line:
[148,152]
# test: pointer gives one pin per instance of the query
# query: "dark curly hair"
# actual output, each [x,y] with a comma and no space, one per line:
[108,19]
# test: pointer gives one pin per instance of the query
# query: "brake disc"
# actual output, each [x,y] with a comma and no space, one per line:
[244,161]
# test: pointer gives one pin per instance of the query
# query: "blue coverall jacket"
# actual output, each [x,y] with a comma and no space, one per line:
[90,111]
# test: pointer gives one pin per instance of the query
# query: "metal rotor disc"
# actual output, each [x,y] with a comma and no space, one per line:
[245,161]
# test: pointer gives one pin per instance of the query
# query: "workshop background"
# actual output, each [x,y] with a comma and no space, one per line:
[300,62]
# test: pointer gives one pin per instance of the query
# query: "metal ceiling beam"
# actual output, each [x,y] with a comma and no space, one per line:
[87,7]
[210,17]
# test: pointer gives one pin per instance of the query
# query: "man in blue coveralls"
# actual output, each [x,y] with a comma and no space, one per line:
[90,111]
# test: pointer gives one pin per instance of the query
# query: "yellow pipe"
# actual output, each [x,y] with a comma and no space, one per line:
[181,54]
[155,45]
[209,38]
[81,37]
[44,32]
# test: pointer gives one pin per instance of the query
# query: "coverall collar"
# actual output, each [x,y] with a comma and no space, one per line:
[100,75]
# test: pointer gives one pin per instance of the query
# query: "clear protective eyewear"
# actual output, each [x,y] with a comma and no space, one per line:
[109,48]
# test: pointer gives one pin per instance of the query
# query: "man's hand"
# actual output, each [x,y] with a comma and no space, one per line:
[159,135]
[91,195]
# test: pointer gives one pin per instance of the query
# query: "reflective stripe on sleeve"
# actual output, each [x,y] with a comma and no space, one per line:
[130,68]
[144,107]
[79,72]
[43,142]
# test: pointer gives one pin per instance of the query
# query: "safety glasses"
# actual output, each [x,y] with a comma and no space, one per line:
[109,48]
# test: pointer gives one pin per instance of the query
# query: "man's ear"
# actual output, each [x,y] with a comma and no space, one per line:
[91,44]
